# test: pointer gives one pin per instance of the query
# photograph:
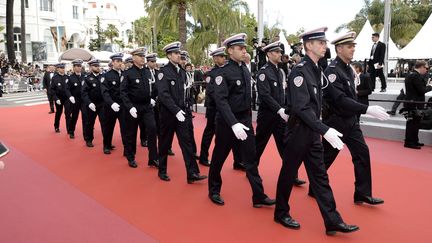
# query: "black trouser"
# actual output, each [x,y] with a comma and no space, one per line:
[145,116]
[223,143]
[72,113]
[396,104]
[84,119]
[377,73]
[170,125]
[91,119]
[191,130]
[108,125]
[269,123]
[209,132]
[58,112]
[143,132]
[237,154]
[412,130]
[50,100]
[303,144]
[354,140]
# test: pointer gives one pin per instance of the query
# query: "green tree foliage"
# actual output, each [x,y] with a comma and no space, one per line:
[111,32]
[143,31]
[96,44]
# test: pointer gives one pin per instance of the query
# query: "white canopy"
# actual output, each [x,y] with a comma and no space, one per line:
[284,41]
[364,42]
[393,50]
[419,47]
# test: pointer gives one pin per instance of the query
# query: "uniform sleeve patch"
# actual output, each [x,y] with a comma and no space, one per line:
[332,77]
[102,79]
[298,81]
[262,77]
[67,80]
[218,80]
[160,76]
[208,79]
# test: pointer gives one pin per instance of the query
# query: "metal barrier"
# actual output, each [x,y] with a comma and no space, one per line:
[12,85]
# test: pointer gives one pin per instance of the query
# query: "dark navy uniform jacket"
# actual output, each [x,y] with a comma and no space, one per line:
[171,89]
[232,91]
[209,102]
[58,86]
[341,96]
[270,88]
[91,91]
[74,85]
[305,94]
[110,87]
[135,87]
[153,82]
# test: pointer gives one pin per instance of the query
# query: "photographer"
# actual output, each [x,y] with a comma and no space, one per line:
[260,58]
[415,90]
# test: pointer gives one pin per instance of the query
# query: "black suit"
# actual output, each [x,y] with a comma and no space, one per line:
[377,57]
[47,85]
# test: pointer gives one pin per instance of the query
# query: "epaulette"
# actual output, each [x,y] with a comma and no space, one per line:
[265,66]
[301,64]
[333,63]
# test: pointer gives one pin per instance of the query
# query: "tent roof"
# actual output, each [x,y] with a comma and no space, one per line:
[364,42]
[419,47]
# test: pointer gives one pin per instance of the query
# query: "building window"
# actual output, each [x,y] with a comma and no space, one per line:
[17,38]
[75,12]
[46,5]
[49,40]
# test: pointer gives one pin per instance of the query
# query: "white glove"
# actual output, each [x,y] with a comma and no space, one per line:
[239,131]
[115,107]
[92,107]
[378,112]
[282,114]
[152,102]
[180,116]
[72,99]
[332,136]
[133,111]
[2,165]
[58,102]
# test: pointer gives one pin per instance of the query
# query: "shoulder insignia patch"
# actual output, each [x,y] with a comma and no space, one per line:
[160,76]
[262,77]
[208,79]
[298,81]
[332,77]
[218,80]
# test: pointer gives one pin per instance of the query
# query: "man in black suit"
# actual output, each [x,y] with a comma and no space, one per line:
[416,89]
[376,62]
[49,73]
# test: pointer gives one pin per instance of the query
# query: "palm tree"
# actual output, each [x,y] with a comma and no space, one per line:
[9,30]
[23,34]
[111,32]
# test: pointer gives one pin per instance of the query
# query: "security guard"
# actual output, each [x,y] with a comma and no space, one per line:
[74,90]
[303,139]
[232,94]
[93,101]
[173,118]
[151,65]
[219,59]
[341,113]
[110,88]
[59,93]
[272,115]
[135,92]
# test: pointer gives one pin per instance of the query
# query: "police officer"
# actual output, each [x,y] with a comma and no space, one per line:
[47,79]
[74,90]
[272,115]
[219,59]
[341,113]
[59,93]
[91,95]
[173,118]
[232,94]
[151,65]
[110,88]
[136,94]
[303,139]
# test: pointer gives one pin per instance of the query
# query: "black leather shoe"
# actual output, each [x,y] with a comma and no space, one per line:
[71,135]
[265,202]
[342,227]
[420,144]
[164,177]
[412,146]
[391,113]
[50,112]
[287,221]
[89,144]
[144,143]
[170,152]
[368,200]
[383,90]
[107,151]
[239,166]
[217,199]
[298,182]
[196,156]
[154,163]
[195,177]
[57,130]
[112,147]
[310,194]
[204,162]
[132,164]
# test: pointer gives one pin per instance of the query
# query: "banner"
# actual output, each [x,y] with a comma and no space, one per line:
[62,35]
[39,50]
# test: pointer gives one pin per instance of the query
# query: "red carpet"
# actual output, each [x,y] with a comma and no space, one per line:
[54,189]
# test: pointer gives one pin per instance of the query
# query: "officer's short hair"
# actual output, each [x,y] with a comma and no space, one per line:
[420,63]
[376,34]
[358,65]
[188,65]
